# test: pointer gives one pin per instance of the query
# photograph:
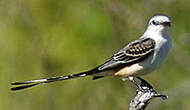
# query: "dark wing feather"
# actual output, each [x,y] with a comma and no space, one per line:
[134,52]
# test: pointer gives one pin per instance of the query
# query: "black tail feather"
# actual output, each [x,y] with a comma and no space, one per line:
[23,87]
[28,84]
[97,77]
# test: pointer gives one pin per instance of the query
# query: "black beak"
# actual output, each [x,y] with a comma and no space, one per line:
[166,24]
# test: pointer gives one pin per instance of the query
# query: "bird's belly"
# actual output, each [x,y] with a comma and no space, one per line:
[129,71]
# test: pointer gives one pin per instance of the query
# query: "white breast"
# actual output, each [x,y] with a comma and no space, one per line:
[163,45]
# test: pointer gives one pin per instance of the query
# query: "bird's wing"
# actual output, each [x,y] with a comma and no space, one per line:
[134,52]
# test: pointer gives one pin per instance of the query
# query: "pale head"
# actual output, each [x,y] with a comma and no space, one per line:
[159,24]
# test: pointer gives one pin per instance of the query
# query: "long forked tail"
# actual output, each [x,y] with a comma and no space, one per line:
[27,84]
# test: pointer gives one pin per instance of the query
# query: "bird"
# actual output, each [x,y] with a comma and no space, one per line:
[139,57]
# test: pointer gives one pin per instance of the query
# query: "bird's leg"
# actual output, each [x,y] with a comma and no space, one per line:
[142,87]
[144,83]
[134,82]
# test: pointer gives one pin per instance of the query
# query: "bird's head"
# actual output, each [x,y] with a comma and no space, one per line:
[159,23]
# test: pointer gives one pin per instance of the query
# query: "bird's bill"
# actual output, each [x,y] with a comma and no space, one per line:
[166,24]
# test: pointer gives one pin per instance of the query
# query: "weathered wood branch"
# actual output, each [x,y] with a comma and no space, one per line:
[143,95]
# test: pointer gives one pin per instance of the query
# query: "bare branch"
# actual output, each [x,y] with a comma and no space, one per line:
[143,96]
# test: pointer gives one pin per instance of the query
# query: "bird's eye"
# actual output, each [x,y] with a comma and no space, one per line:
[155,22]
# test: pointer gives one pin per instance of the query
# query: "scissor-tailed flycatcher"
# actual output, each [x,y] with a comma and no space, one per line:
[139,57]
